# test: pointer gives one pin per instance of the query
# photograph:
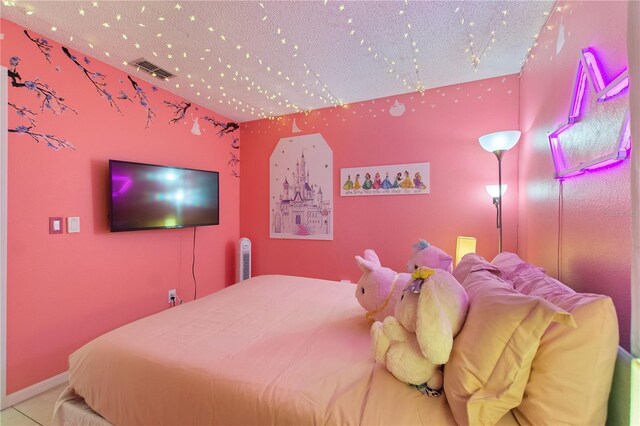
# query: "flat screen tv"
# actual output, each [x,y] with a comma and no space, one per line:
[149,196]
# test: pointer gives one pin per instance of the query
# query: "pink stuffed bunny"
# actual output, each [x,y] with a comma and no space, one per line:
[379,288]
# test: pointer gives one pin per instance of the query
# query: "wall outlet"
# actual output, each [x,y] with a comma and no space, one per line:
[172,296]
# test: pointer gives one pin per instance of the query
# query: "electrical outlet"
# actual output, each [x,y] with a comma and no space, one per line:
[173,296]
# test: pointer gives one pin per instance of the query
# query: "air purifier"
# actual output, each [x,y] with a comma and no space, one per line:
[244,260]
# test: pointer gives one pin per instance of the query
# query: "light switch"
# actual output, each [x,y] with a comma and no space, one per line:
[73,224]
[55,225]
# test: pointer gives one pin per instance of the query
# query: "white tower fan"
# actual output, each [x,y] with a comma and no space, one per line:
[244,260]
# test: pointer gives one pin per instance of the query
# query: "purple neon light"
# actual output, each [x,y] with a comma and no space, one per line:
[126,183]
[589,69]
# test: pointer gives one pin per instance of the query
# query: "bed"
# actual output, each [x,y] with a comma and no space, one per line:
[291,350]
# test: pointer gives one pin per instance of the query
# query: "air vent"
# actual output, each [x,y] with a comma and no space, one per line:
[152,69]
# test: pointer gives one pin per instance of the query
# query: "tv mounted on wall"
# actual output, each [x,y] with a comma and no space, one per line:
[149,196]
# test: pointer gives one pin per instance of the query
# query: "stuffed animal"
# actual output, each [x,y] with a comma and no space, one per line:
[417,340]
[424,254]
[379,288]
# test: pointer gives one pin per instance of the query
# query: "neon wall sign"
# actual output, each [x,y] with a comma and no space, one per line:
[589,71]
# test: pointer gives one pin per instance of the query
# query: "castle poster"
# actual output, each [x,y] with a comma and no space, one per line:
[301,184]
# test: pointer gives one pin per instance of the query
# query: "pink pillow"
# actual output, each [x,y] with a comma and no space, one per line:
[468,262]
[511,265]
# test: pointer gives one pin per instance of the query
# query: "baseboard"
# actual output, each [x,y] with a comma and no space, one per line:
[35,389]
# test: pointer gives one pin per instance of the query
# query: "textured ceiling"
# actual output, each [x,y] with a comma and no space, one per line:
[249,60]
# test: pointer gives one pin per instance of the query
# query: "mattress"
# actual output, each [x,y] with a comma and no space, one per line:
[269,350]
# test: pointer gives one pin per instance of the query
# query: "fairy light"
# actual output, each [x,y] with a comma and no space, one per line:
[233,75]
[478,51]
[238,104]
[546,25]
[296,53]
[368,46]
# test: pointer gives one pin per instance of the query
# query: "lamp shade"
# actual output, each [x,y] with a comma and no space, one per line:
[464,245]
[500,141]
[492,190]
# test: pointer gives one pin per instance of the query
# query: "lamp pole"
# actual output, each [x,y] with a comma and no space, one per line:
[499,143]
[499,153]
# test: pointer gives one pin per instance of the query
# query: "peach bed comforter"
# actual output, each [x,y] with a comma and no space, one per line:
[270,350]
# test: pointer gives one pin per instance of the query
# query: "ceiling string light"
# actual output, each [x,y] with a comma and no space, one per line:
[227,71]
[530,54]
[253,85]
[61,34]
[236,76]
[238,104]
[478,51]
[414,50]
[308,69]
[369,47]
[390,64]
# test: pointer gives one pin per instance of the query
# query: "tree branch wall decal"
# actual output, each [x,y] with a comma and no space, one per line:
[180,110]
[144,101]
[43,45]
[51,140]
[96,78]
[50,102]
[49,97]
[225,127]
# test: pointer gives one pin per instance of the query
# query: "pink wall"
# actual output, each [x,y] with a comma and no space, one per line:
[595,235]
[441,127]
[64,290]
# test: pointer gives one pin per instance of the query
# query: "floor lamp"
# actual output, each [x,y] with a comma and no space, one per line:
[499,143]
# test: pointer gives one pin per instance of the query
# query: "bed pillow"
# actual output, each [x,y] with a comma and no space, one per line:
[468,262]
[487,372]
[572,371]
[508,263]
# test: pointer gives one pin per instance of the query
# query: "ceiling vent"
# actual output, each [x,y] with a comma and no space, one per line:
[152,69]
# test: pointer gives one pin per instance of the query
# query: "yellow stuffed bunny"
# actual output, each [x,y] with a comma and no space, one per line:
[417,340]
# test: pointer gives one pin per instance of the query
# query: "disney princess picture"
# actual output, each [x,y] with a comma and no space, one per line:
[399,179]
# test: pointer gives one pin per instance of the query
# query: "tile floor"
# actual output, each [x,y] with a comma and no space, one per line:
[35,411]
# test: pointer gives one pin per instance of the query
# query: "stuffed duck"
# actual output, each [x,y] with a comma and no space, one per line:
[424,254]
